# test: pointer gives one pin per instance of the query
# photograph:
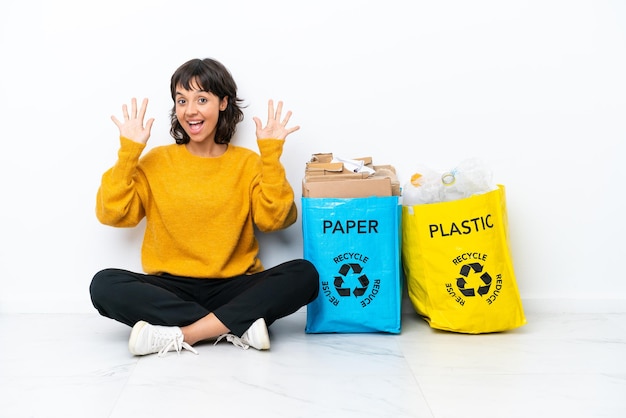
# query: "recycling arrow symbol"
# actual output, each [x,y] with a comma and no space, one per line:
[340,281]
[474,268]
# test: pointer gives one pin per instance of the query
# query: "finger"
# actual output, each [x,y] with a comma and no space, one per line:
[270,110]
[279,110]
[149,124]
[116,121]
[257,122]
[287,117]
[133,108]
[125,111]
[291,130]
[142,111]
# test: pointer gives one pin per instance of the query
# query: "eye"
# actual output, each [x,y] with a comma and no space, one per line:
[180,102]
[202,100]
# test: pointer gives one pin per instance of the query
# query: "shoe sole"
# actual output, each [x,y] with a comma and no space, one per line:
[134,335]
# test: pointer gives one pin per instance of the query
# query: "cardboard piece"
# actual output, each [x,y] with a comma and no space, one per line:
[346,188]
[326,178]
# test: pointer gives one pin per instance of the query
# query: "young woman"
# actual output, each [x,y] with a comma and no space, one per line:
[202,198]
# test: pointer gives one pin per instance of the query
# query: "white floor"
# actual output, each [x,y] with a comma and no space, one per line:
[558,365]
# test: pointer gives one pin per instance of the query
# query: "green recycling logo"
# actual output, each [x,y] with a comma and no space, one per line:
[343,281]
[470,272]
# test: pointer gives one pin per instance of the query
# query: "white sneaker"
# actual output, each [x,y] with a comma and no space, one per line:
[256,336]
[147,339]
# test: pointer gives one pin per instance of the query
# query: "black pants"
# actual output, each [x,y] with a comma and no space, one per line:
[129,297]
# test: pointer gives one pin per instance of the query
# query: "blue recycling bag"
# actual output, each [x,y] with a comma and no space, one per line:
[355,245]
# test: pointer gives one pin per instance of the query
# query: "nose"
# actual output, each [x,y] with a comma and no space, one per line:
[191,108]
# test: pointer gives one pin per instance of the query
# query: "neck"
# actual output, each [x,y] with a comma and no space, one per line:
[208,150]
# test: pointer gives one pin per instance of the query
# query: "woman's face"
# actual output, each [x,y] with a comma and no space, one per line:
[198,111]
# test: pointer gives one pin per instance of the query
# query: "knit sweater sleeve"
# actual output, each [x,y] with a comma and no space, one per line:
[119,200]
[272,195]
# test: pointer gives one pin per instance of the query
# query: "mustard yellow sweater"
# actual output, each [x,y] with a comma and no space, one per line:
[200,212]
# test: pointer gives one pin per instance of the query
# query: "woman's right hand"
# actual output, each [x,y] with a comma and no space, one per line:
[133,127]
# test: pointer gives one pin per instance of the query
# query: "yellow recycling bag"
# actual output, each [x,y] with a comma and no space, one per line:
[457,264]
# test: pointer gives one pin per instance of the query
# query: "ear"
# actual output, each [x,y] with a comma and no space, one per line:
[224,104]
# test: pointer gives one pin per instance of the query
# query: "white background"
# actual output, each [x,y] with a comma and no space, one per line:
[534,88]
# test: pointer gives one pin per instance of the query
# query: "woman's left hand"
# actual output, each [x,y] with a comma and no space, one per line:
[275,128]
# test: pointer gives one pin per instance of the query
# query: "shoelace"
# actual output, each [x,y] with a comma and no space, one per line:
[177,344]
[231,338]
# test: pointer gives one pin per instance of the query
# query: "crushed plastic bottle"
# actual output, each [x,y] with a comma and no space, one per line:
[470,177]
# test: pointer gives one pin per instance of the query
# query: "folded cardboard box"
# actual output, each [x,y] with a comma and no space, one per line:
[327,177]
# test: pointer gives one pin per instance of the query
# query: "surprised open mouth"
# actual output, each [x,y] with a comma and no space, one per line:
[195,127]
